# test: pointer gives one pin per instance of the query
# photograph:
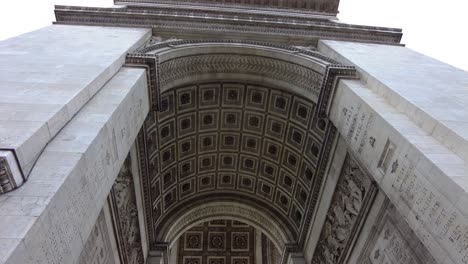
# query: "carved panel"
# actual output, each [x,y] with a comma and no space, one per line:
[125,214]
[351,201]
[98,249]
[392,241]
[6,178]
[218,241]
[326,6]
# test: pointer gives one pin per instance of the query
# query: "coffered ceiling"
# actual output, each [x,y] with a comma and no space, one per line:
[238,141]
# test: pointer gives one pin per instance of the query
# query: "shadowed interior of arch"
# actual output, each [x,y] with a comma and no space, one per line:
[218,239]
[234,139]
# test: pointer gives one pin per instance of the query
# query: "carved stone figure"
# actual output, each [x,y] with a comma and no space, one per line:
[125,213]
[345,211]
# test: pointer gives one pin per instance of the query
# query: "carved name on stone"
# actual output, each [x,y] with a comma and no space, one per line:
[98,249]
[391,247]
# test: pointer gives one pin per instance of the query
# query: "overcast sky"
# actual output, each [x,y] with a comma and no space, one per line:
[436,28]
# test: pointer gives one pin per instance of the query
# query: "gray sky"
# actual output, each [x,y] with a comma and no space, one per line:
[435,28]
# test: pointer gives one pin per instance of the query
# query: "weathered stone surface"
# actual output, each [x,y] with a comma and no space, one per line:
[124,210]
[430,93]
[46,76]
[98,246]
[71,180]
[394,150]
[352,198]
[325,6]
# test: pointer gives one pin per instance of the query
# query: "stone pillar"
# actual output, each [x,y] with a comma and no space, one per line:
[155,257]
[69,82]
[296,258]
[406,122]
[46,77]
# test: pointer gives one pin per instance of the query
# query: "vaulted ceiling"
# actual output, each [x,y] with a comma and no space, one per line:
[234,141]
[218,242]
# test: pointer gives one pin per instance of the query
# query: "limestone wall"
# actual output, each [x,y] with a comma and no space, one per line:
[402,122]
[46,76]
[49,217]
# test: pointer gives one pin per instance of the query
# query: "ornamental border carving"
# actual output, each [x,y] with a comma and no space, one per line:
[332,73]
[287,71]
[228,210]
[174,43]
[177,23]
[232,5]
[6,177]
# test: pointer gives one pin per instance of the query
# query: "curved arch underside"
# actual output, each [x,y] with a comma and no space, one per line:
[228,210]
[235,120]
[178,62]
[222,139]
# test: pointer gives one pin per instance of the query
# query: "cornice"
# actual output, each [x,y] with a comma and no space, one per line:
[206,24]
[324,7]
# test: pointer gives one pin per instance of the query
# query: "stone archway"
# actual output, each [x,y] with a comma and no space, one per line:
[230,211]
[242,122]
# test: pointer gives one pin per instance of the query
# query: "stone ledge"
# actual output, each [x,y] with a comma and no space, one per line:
[48,219]
[425,180]
[10,174]
[430,93]
[46,76]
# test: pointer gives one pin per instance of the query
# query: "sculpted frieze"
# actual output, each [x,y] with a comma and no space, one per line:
[125,214]
[350,203]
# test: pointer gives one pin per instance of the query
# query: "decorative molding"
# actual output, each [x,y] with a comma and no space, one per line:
[182,145]
[228,210]
[306,79]
[352,199]
[6,177]
[333,74]
[157,43]
[11,174]
[125,216]
[270,254]
[332,135]
[294,74]
[217,242]
[281,146]
[151,64]
[194,23]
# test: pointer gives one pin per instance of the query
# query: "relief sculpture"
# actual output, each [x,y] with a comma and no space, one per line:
[353,195]
[125,214]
